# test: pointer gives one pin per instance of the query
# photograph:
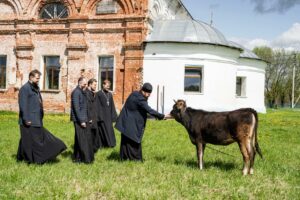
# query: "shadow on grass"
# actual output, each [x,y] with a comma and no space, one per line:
[14,156]
[52,161]
[67,154]
[114,156]
[209,164]
[160,158]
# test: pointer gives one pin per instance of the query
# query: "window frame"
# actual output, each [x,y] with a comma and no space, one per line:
[5,77]
[57,17]
[201,69]
[243,87]
[113,71]
[45,73]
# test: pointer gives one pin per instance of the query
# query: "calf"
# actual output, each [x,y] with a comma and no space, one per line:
[220,128]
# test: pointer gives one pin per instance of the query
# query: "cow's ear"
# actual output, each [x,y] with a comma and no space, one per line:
[174,100]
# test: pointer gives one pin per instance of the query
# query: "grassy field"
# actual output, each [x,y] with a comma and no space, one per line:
[169,170]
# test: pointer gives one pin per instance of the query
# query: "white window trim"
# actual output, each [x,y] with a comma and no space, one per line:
[202,79]
[243,87]
[114,71]
[42,70]
[6,73]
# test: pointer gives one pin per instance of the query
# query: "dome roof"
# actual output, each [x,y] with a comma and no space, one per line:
[187,31]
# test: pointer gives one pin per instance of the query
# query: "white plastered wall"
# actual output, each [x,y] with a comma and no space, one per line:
[164,65]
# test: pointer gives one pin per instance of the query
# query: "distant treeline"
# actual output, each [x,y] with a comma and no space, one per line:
[279,76]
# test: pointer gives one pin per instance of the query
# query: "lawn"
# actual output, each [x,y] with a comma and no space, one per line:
[169,170]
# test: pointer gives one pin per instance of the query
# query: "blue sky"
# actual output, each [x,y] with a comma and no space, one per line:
[275,23]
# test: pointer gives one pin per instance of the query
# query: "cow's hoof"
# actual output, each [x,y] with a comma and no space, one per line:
[251,171]
[245,172]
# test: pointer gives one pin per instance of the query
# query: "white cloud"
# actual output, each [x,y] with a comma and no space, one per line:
[288,40]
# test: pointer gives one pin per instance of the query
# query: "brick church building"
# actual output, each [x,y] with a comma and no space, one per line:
[66,39]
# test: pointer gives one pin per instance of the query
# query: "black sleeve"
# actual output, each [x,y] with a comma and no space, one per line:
[144,105]
[23,103]
[75,100]
[114,114]
[99,112]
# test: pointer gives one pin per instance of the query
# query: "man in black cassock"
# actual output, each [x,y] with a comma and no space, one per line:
[92,112]
[37,144]
[132,121]
[83,144]
[106,115]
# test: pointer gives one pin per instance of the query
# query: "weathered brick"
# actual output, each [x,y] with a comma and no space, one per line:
[79,41]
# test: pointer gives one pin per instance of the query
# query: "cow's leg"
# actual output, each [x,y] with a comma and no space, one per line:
[251,145]
[200,152]
[252,158]
[243,149]
[251,153]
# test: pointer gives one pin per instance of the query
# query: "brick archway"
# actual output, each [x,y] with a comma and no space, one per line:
[36,5]
[126,5]
[15,5]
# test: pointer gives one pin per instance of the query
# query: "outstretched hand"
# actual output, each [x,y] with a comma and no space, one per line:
[168,116]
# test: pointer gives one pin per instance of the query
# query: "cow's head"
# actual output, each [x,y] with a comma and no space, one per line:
[178,109]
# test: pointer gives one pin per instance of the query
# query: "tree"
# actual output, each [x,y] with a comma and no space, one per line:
[279,75]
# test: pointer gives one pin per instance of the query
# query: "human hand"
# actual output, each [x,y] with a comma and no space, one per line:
[83,125]
[168,116]
[28,123]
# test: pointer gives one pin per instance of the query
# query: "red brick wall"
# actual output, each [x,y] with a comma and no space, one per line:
[78,40]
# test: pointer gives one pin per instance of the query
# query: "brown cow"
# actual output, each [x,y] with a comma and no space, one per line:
[220,128]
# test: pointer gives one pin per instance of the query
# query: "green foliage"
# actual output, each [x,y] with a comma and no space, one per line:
[279,75]
[169,170]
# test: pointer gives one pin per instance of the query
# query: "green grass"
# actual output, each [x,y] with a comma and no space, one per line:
[169,170]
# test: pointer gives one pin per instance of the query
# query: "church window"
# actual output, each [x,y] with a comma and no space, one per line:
[193,78]
[54,11]
[51,71]
[2,72]
[240,86]
[106,70]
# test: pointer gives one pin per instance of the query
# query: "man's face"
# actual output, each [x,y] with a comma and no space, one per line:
[93,86]
[146,94]
[83,84]
[106,86]
[35,79]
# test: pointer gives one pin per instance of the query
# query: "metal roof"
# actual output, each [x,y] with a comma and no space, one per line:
[187,31]
[247,53]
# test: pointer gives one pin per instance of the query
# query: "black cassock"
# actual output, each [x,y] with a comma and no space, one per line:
[106,114]
[92,116]
[83,141]
[83,145]
[131,123]
[37,144]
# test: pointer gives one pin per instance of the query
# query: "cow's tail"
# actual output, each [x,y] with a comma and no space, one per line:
[256,146]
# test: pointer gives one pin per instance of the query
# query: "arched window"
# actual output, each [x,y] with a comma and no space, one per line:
[54,11]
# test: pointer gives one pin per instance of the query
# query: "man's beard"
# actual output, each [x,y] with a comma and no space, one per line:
[36,85]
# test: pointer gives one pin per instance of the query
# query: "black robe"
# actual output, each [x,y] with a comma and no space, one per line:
[83,145]
[131,123]
[92,116]
[130,150]
[37,144]
[106,116]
